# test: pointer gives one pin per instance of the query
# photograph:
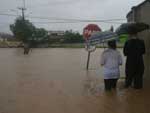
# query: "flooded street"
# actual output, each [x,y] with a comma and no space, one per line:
[56,81]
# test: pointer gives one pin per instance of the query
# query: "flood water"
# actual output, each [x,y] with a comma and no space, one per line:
[56,81]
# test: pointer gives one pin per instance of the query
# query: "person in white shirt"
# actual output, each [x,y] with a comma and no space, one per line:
[111,59]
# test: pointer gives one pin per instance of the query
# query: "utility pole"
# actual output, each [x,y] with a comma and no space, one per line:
[23,10]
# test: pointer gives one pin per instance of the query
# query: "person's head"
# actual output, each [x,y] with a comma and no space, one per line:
[112,44]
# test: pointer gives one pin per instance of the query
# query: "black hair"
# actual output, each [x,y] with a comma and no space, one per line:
[112,44]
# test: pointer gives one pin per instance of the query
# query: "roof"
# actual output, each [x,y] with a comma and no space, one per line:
[142,3]
[135,7]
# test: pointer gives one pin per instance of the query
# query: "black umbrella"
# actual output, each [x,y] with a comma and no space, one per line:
[132,28]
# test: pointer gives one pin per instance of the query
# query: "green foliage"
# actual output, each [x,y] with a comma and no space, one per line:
[26,32]
[71,37]
[123,38]
[22,29]
[40,34]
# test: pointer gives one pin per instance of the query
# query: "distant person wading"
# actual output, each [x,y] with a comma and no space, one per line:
[26,49]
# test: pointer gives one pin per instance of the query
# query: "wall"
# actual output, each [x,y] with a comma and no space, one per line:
[144,16]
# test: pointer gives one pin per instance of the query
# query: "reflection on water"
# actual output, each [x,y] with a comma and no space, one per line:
[56,81]
[93,84]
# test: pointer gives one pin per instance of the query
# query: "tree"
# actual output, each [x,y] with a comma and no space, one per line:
[40,34]
[22,29]
[72,37]
[26,32]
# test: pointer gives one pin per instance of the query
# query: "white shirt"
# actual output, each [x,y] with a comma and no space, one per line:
[111,59]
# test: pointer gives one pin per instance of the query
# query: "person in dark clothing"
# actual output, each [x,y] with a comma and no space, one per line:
[134,49]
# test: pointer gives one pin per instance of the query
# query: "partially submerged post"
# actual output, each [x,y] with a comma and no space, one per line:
[87,31]
[87,65]
[90,49]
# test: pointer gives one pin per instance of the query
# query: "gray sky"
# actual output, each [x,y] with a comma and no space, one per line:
[68,9]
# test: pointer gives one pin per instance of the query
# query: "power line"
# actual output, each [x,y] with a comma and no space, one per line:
[5,14]
[67,20]
[79,22]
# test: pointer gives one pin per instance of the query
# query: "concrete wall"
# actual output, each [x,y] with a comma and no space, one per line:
[145,17]
[142,14]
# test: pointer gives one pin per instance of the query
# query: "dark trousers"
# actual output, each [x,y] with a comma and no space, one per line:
[136,80]
[110,84]
[134,76]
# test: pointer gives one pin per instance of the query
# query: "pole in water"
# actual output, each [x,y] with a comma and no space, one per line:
[88,60]
[104,45]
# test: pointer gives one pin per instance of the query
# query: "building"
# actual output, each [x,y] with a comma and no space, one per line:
[5,36]
[56,33]
[56,36]
[141,13]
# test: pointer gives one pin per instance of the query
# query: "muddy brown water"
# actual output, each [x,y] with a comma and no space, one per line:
[56,81]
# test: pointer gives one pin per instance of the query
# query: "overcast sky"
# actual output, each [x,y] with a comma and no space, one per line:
[67,9]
